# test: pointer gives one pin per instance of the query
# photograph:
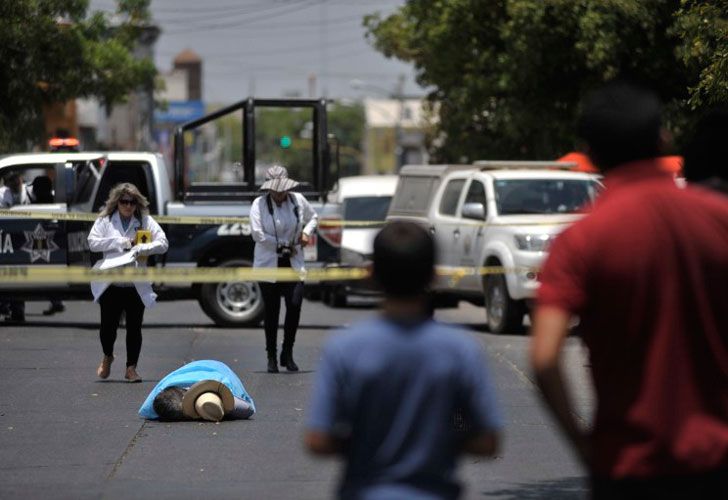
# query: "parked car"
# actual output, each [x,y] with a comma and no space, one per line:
[364,200]
[492,214]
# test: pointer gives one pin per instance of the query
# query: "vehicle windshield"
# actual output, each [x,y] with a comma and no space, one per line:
[369,208]
[544,196]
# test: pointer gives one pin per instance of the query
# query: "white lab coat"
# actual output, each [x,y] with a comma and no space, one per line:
[108,236]
[286,227]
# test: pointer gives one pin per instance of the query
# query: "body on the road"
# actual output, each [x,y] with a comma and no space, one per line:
[113,233]
[647,273]
[392,392]
[207,384]
[281,223]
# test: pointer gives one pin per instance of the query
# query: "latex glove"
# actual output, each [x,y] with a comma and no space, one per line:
[126,243]
[144,248]
[304,239]
[135,251]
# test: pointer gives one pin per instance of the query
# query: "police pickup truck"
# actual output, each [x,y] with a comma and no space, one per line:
[80,183]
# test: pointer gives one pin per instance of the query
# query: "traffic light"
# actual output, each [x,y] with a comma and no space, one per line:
[285,141]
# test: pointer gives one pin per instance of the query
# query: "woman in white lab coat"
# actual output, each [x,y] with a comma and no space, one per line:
[281,223]
[114,233]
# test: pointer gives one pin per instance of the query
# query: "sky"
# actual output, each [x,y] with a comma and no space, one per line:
[268,48]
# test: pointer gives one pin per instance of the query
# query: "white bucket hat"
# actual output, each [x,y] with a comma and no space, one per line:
[276,179]
[209,400]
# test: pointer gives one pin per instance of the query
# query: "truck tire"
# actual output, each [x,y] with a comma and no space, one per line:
[235,304]
[503,313]
[336,297]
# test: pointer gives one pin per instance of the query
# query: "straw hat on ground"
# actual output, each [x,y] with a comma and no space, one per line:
[208,400]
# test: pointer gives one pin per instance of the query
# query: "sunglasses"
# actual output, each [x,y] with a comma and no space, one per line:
[125,201]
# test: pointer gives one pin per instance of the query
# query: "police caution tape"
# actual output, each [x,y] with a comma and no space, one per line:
[214,221]
[89,217]
[78,274]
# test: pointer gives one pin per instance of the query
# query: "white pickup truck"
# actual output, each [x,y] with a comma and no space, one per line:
[492,214]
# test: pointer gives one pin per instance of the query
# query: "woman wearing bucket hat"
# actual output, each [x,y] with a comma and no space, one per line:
[282,223]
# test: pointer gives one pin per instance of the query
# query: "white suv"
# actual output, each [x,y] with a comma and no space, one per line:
[492,214]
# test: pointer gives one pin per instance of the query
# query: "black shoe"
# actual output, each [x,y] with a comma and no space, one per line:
[53,309]
[272,365]
[287,361]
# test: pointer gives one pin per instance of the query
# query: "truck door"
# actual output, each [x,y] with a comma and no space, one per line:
[472,216]
[81,179]
[27,241]
[446,226]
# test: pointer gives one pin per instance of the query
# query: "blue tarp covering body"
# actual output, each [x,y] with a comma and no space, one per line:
[192,373]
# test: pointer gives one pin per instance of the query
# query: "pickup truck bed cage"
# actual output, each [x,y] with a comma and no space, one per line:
[248,190]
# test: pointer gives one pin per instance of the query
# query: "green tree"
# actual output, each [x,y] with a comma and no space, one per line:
[508,75]
[54,50]
[346,123]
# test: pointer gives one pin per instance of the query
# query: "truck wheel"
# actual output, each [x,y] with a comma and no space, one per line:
[237,303]
[504,314]
[336,297]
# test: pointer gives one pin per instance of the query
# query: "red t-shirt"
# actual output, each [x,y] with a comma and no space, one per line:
[647,272]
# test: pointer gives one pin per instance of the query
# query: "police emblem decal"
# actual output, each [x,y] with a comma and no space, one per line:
[39,244]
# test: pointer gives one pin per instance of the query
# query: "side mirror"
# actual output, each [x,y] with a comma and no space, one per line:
[474,211]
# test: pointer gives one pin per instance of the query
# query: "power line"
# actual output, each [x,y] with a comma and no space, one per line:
[212,15]
[295,25]
[238,24]
[232,56]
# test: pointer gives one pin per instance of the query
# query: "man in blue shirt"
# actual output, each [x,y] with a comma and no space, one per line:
[400,396]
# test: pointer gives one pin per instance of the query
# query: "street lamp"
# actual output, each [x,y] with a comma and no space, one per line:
[397,95]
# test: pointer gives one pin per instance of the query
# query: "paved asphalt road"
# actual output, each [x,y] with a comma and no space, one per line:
[65,434]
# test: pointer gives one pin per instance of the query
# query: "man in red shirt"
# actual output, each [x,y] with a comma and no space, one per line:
[647,273]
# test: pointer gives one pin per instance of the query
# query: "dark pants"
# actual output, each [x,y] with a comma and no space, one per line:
[292,293]
[13,308]
[706,485]
[114,301]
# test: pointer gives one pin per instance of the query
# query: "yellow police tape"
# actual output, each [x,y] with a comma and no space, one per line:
[79,274]
[215,221]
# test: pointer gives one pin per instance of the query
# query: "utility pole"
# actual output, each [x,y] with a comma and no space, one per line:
[400,156]
[312,85]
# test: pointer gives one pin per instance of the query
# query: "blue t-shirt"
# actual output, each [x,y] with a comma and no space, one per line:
[401,393]
[191,373]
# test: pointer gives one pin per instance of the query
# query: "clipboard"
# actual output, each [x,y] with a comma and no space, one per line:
[117,260]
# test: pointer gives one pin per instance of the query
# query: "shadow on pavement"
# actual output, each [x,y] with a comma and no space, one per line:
[124,381]
[569,488]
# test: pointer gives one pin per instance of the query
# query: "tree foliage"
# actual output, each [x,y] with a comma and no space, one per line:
[54,50]
[345,124]
[508,75]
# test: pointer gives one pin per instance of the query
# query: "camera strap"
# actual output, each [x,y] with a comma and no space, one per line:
[269,203]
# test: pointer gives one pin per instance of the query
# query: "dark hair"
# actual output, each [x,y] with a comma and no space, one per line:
[168,404]
[43,189]
[621,123]
[706,152]
[11,177]
[404,259]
